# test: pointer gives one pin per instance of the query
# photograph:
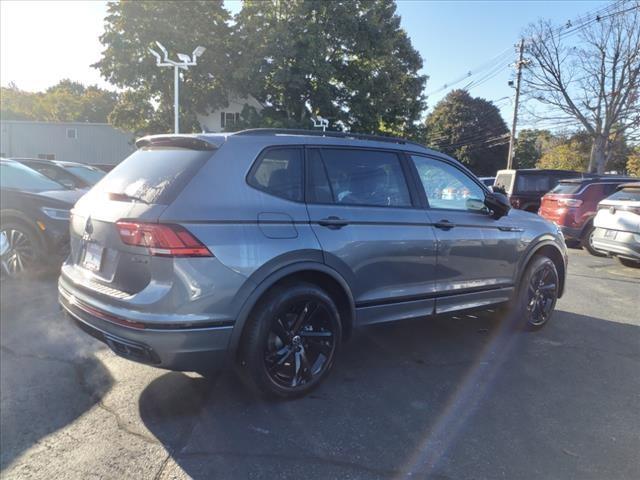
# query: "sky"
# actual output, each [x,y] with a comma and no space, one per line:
[42,42]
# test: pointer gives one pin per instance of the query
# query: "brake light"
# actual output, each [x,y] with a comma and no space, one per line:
[569,202]
[165,240]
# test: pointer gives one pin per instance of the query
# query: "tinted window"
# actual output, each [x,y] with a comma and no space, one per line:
[629,194]
[533,183]
[15,175]
[55,173]
[566,188]
[153,175]
[278,171]
[505,181]
[358,177]
[448,187]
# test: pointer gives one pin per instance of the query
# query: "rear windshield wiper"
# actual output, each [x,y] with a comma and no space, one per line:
[123,197]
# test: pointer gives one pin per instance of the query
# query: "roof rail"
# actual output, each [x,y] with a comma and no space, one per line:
[332,134]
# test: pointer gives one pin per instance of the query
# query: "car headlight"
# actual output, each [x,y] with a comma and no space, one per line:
[56,213]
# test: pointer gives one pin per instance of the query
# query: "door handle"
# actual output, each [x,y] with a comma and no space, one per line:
[444,225]
[333,222]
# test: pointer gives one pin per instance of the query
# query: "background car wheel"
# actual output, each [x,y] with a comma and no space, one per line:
[537,294]
[629,263]
[292,340]
[19,250]
[587,242]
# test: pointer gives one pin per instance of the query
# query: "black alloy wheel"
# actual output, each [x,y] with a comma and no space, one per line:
[293,340]
[540,292]
[300,344]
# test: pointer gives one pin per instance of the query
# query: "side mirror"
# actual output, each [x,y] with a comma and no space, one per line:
[498,204]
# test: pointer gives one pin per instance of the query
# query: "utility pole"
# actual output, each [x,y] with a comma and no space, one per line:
[512,140]
[185,63]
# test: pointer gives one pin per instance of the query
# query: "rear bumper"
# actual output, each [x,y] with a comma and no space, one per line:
[184,349]
[624,244]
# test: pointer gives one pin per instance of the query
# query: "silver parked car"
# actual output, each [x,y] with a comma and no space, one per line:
[268,247]
[617,225]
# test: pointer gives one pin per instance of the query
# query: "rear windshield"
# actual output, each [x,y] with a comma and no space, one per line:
[566,188]
[504,180]
[16,175]
[629,194]
[153,174]
[533,183]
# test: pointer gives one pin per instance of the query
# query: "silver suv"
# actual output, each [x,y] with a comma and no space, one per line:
[268,247]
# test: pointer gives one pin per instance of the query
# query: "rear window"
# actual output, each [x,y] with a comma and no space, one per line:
[278,171]
[566,188]
[629,194]
[153,175]
[358,177]
[533,183]
[505,181]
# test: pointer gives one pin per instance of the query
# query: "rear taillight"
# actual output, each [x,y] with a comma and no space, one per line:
[569,202]
[165,240]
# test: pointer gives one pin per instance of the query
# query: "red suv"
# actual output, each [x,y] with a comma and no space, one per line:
[573,203]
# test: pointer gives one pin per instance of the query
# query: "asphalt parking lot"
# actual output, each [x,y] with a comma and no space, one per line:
[445,398]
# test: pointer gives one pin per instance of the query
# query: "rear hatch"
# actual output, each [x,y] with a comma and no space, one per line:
[620,211]
[112,227]
[562,197]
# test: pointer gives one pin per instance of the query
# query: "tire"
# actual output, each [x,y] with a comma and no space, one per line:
[627,262]
[24,256]
[587,242]
[537,295]
[292,340]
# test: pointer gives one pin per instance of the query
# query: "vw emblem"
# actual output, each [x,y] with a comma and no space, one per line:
[88,230]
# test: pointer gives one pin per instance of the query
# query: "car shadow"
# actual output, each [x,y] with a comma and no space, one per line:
[454,397]
[43,360]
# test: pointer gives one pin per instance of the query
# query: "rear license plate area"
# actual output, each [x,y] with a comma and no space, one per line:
[92,258]
[610,234]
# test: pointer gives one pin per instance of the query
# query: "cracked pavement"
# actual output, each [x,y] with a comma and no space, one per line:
[444,398]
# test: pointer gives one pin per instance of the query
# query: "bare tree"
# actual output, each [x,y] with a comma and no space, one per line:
[594,83]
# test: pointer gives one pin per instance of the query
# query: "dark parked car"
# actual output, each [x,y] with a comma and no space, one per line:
[69,174]
[268,247]
[573,203]
[526,187]
[618,225]
[488,181]
[34,219]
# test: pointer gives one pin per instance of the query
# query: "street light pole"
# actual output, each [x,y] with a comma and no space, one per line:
[185,62]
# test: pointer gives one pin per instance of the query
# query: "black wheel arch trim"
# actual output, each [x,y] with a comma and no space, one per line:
[263,284]
[546,240]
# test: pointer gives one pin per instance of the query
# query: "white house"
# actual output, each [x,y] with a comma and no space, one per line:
[228,116]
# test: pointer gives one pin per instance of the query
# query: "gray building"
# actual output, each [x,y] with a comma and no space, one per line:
[93,143]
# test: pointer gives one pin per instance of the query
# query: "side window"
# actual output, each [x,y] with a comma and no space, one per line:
[357,177]
[447,187]
[278,171]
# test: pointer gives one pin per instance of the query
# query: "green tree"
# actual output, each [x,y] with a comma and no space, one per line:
[349,62]
[531,145]
[633,163]
[571,153]
[67,101]
[471,130]
[132,27]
